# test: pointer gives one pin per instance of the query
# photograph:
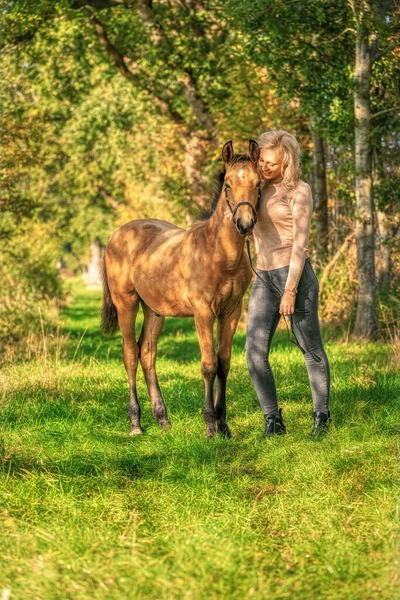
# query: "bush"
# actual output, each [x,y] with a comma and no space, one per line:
[338,296]
[30,291]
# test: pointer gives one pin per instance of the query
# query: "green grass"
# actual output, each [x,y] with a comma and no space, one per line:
[87,512]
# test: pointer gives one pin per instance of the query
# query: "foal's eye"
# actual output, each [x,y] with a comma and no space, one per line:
[228,187]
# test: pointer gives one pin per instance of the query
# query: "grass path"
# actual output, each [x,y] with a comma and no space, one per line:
[86,512]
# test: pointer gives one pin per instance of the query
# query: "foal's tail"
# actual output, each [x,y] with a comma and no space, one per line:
[109,315]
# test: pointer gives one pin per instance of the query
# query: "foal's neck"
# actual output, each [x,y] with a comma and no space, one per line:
[228,244]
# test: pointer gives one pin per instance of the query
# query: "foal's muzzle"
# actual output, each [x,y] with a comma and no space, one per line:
[244,226]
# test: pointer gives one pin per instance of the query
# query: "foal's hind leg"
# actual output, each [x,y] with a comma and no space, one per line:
[226,327]
[152,328]
[127,308]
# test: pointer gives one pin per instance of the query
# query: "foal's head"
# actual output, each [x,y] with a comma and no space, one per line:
[242,186]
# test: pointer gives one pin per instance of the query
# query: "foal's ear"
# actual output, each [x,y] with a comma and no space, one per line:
[227,152]
[254,151]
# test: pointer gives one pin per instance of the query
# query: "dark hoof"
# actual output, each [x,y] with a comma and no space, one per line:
[210,432]
[136,431]
[224,430]
[165,425]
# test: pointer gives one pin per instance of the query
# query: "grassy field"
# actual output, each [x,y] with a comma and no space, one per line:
[87,512]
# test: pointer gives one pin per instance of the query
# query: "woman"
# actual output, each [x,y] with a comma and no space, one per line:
[285,283]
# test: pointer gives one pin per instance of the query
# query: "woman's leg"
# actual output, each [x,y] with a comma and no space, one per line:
[305,326]
[262,320]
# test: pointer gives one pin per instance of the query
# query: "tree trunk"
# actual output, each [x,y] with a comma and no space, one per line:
[92,277]
[384,260]
[196,148]
[388,220]
[366,308]
[320,192]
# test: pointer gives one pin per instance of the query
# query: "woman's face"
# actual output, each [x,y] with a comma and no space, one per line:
[270,163]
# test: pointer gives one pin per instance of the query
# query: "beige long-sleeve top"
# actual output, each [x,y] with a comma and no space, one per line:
[283,228]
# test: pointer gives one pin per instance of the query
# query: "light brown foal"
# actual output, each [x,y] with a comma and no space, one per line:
[201,272]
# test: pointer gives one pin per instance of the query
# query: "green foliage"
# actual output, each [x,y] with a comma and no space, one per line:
[293,40]
[386,192]
[172,516]
[31,289]
[85,149]
[338,297]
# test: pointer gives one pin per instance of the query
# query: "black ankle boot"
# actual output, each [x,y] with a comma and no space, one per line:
[275,425]
[321,424]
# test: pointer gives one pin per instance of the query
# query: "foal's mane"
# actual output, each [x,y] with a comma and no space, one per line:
[207,213]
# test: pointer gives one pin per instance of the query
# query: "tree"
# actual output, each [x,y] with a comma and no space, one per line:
[320,192]
[292,38]
[374,30]
[175,55]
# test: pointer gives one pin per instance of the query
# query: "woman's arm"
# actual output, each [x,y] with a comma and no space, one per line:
[301,205]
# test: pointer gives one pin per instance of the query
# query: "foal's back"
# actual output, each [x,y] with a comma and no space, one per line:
[165,265]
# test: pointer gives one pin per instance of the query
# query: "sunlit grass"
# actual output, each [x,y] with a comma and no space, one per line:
[88,512]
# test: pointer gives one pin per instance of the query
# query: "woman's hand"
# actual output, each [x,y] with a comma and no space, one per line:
[228,214]
[287,304]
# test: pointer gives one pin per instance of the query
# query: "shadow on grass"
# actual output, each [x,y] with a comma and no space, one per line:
[183,394]
[164,461]
[162,458]
[64,412]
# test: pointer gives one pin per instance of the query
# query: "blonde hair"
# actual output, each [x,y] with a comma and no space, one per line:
[289,151]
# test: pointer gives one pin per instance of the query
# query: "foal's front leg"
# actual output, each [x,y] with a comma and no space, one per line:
[226,327]
[204,322]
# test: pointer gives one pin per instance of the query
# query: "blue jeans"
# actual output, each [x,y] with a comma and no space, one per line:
[263,318]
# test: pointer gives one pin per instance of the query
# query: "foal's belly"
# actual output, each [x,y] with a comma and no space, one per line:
[164,299]
[176,312]
[170,309]
[186,302]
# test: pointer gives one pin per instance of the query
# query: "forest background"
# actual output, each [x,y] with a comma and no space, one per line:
[113,110]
